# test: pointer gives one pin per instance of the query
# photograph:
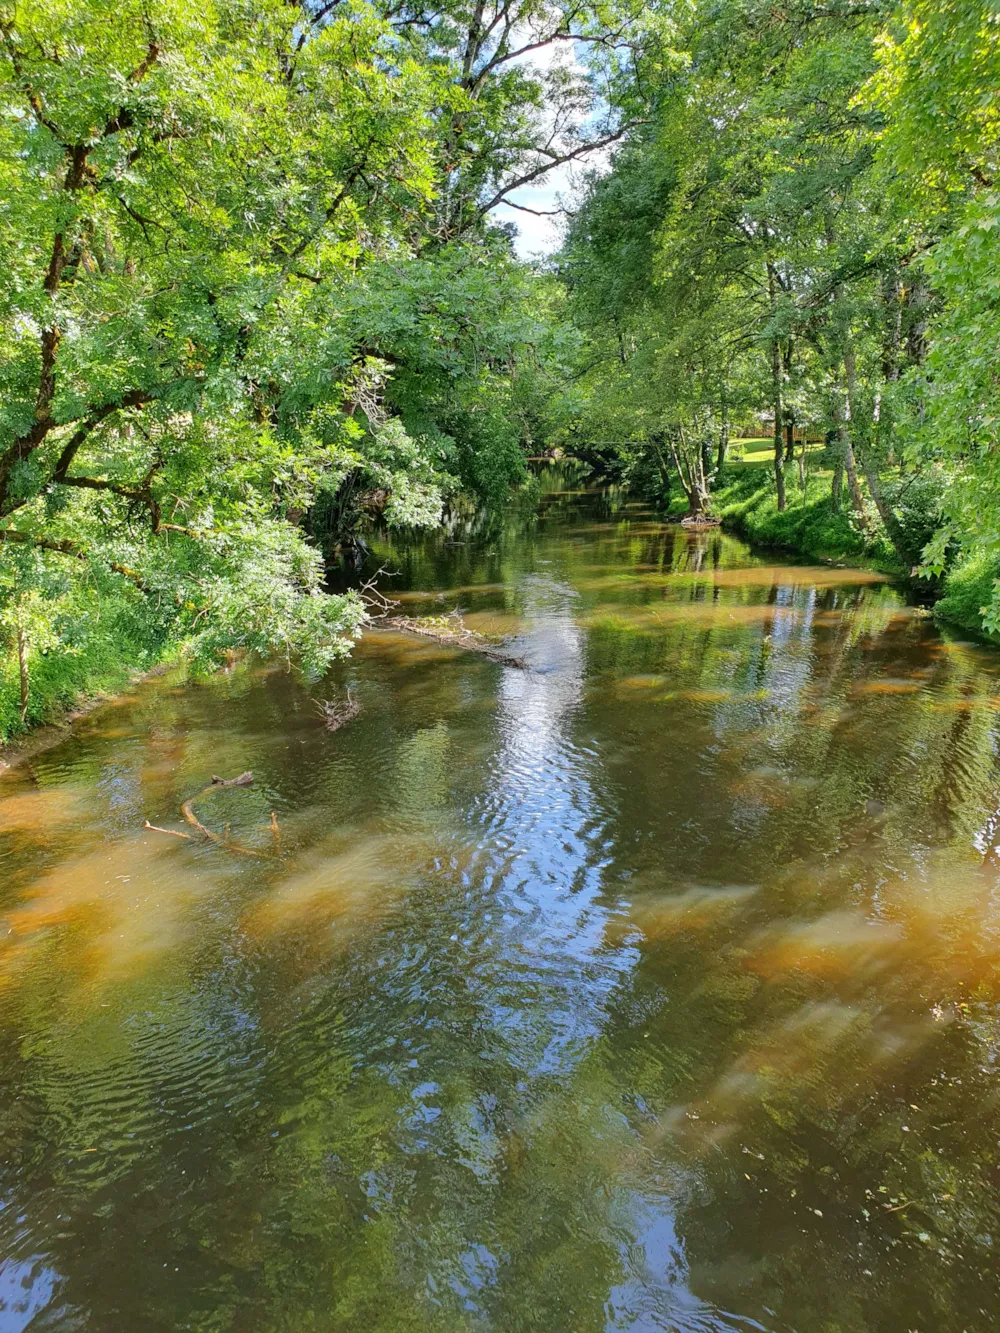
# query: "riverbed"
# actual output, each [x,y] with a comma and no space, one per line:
[654,987]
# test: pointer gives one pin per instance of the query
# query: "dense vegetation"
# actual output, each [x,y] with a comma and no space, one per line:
[803,239]
[253,291]
[256,293]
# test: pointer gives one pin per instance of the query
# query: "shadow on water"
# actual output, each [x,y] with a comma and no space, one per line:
[655,988]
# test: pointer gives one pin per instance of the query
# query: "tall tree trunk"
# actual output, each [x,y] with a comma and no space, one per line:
[22,663]
[837,484]
[893,528]
[722,448]
[779,452]
[789,438]
[776,394]
[853,485]
[690,468]
[848,463]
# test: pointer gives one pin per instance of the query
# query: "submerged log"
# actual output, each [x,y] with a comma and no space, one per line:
[452,632]
[187,810]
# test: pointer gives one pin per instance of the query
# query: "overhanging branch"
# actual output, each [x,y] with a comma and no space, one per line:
[71,549]
[556,160]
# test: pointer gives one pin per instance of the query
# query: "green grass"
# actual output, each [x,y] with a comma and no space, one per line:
[108,640]
[747,505]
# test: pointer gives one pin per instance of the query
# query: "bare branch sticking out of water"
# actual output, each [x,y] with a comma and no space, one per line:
[377,605]
[172,833]
[244,780]
[453,632]
[337,714]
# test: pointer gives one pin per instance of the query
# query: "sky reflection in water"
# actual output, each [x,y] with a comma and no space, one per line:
[652,989]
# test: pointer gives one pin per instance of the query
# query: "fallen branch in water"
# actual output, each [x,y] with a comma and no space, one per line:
[172,833]
[337,715]
[377,605]
[187,810]
[452,631]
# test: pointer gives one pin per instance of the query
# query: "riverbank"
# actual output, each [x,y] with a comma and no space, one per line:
[809,526]
[120,648]
[36,737]
[94,640]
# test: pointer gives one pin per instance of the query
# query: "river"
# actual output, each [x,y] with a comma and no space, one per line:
[652,988]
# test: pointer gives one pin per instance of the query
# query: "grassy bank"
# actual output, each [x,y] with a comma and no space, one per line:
[96,642]
[966,591]
[809,526]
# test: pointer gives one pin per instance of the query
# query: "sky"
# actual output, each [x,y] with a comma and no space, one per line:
[542,236]
[539,236]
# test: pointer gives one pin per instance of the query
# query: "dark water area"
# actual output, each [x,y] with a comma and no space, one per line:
[654,988]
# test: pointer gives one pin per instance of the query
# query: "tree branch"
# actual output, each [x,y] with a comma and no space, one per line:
[541,212]
[558,160]
[72,549]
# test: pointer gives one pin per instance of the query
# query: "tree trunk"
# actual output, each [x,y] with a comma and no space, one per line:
[847,463]
[22,663]
[851,468]
[722,448]
[779,453]
[890,522]
[690,468]
[837,485]
[789,438]
[776,394]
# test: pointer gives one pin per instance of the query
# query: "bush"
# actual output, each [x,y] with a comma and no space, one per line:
[101,637]
[969,588]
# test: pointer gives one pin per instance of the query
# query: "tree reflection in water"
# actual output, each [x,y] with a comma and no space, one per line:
[653,989]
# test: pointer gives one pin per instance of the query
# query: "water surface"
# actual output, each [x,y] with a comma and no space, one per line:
[655,988]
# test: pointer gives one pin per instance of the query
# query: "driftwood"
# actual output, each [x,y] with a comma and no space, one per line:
[187,810]
[225,842]
[337,715]
[704,522]
[452,632]
[171,833]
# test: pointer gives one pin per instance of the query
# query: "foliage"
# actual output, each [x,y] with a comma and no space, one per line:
[254,293]
[806,234]
[970,590]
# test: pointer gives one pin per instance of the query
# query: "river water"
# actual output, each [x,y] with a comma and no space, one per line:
[653,988]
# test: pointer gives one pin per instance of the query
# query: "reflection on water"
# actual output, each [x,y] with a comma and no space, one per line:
[655,988]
